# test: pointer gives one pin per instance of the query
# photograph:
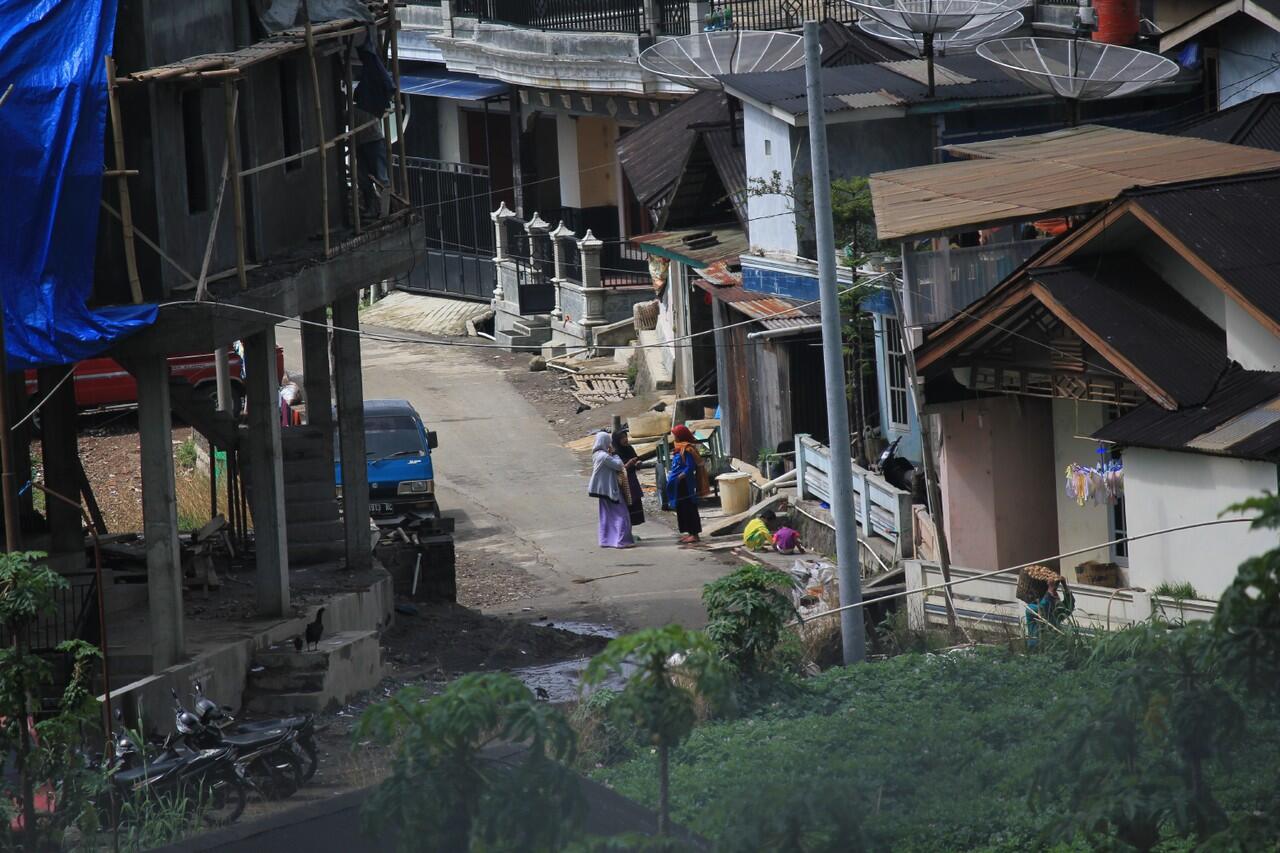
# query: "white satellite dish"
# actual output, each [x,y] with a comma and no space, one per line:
[696,60]
[928,17]
[963,38]
[1077,69]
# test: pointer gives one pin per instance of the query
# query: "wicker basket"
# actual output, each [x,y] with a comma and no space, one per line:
[645,315]
[1033,583]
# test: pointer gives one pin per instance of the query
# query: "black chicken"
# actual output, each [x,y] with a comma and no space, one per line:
[315,630]
[297,642]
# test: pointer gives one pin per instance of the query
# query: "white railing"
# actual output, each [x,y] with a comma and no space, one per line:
[881,508]
[992,601]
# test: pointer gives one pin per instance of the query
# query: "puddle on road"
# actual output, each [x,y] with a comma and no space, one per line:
[561,681]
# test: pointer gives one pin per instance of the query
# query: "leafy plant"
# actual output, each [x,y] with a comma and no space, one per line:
[747,612]
[1182,591]
[185,455]
[43,752]
[667,671]
[452,785]
[1248,618]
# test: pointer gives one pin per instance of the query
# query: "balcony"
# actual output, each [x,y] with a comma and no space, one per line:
[638,17]
[940,283]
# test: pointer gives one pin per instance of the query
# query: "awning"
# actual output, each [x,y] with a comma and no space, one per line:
[462,87]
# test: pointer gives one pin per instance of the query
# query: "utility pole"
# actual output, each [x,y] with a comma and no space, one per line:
[851,620]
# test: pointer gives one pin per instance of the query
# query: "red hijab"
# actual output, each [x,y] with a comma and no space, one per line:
[682,434]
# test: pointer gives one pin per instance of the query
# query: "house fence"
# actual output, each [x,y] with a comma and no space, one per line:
[776,14]
[992,601]
[881,508]
[555,271]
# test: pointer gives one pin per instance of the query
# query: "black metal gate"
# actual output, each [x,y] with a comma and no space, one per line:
[454,201]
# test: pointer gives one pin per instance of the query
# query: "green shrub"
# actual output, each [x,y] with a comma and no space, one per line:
[747,613]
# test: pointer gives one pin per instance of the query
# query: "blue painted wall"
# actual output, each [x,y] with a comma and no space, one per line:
[910,447]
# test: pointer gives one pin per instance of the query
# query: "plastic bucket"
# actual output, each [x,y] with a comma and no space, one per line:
[735,492]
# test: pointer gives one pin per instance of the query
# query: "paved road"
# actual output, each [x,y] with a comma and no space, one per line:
[519,495]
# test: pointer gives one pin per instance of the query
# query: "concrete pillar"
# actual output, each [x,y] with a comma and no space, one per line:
[567,152]
[266,463]
[349,385]
[517,151]
[698,11]
[678,282]
[724,388]
[450,137]
[590,248]
[60,452]
[558,248]
[160,513]
[316,375]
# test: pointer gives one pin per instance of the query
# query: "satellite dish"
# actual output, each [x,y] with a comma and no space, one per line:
[1077,69]
[928,17]
[963,38]
[696,60]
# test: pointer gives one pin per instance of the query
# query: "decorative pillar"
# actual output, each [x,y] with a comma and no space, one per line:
[536,228]
[590,248]
[557,248]
[500,241]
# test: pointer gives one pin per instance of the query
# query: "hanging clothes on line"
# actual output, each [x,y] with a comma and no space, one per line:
[1102,483]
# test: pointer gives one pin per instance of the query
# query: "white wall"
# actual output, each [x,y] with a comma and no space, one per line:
[1245,66]
[768,149]
[1165,489]
[1078,526]
[1248,341]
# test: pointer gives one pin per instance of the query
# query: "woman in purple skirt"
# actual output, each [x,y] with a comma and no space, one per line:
[606,485]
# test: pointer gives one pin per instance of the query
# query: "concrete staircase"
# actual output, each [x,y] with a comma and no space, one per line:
[286,681]
[529,331]
[315,533]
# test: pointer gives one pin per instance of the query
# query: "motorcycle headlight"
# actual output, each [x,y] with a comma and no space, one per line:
[416,487]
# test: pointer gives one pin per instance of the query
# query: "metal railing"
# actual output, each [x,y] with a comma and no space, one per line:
[775,14]
[881,509]
[941,283]
[74,617]
[599,16]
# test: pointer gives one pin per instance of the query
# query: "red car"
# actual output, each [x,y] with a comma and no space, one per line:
[102,383]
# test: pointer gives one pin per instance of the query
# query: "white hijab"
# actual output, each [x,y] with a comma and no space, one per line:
[605,466]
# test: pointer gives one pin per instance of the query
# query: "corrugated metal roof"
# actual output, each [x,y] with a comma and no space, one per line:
[730,242]
[1255,123]
[1128,307]
[1231,225]
[730,158]
[844,45]
[1030,177]
[1239,392]
[898,82]
[773,312]
[653,155]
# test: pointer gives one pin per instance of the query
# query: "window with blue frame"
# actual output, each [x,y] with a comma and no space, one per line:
[896,373]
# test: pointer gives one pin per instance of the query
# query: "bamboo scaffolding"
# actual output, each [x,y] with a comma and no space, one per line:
[394,25]
[352,164]
[324,160]
[122,185]
[231,97]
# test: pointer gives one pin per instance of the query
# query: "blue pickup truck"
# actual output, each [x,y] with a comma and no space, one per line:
[398,460]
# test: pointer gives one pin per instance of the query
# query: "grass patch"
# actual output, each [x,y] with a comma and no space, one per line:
[921,752]
[184,455]
[1183,591]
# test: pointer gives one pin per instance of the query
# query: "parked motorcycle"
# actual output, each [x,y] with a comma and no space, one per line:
[206,780]
[303,725]
[267,759]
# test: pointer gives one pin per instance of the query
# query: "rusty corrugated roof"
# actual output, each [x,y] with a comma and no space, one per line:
[1030,177]
[729,242]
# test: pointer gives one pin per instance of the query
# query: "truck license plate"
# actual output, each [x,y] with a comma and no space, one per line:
[383,508]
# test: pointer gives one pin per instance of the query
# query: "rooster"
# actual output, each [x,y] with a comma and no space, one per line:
[315,630]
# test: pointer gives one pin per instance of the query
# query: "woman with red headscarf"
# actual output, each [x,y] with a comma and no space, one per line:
[686,480]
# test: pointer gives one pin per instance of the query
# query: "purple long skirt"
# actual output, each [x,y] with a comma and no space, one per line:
[615,524]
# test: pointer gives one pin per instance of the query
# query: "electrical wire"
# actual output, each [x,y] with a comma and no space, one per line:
[29,415]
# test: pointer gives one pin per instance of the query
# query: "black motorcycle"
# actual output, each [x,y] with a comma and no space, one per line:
[207,781]
[303,725]
[901,472]
[267,759]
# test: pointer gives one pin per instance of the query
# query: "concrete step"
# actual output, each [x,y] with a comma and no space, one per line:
[307,532]
[346,663]
[316,553]
[306,490]
[538,334]
[512,341]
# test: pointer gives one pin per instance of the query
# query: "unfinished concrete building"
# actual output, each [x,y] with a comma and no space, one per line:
[230,201]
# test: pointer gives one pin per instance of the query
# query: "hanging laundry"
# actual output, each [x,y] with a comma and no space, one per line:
[1102,483]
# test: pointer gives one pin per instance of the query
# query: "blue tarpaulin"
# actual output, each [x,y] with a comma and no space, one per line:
[51,140]
[458,86]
